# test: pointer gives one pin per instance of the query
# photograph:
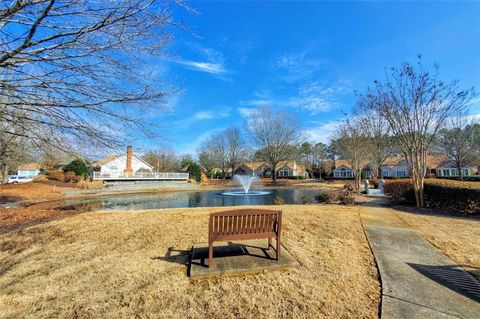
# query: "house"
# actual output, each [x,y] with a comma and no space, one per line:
[203,170]
[395,166]
[126,164]
[285,169]
[258,169]
[441,166]
[343,169]
[30,169]
[289,169]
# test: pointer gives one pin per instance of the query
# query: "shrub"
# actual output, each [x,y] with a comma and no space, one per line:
[90,185]
[194,171]
[192,181]
[454,197]
[325,197]
[306,199]
[401,191]
[78,166]
[349,186]
[442,194]
[40,178]
[346,198]
[278,200]
[71,177]
[56,176]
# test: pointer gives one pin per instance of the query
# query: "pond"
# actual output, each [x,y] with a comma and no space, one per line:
[183,199]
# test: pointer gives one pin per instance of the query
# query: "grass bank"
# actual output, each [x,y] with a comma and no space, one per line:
[118,265]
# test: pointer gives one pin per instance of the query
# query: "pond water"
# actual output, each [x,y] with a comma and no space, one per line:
[182,199]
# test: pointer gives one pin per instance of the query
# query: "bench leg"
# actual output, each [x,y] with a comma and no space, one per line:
[278,248]
[210,254]
[269,243]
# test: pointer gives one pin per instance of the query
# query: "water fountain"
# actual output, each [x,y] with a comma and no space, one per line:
[246,182]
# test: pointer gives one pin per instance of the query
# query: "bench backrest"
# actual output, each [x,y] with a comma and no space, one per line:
[244,222]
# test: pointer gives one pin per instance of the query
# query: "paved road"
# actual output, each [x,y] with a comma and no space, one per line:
[418,281]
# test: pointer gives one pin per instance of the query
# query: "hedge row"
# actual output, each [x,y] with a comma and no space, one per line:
[458,196]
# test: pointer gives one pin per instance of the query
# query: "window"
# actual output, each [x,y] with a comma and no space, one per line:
[466,172]
[446,172]
[385,173]
[401,173]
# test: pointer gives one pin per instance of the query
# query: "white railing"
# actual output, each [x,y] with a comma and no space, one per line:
[140,175]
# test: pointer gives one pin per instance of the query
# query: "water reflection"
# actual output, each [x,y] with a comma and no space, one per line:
[188,199]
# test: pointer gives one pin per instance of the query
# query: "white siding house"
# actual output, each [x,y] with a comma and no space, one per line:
[343,170]
[31,170]
[116,165]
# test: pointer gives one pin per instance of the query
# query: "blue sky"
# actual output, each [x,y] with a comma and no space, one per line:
[306,57]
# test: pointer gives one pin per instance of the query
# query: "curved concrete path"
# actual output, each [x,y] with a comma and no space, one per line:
[418,281]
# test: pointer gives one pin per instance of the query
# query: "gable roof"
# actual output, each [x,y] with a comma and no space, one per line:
[393,161]
[110,158]
[29,166]
[253,165]
[105,160]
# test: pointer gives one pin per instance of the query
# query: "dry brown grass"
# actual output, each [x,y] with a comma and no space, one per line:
[458,238]
[90,185]
[114,265]
[35,191]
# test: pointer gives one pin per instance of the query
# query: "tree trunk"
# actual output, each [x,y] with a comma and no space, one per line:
[418,177]
[274,174]
[5,174]
[358,178]
[460,172]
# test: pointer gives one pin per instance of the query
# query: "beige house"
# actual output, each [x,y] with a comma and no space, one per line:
[285,169]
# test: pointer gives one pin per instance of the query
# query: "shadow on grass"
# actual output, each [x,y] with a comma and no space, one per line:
[435,212]
[176,256]
[452,277]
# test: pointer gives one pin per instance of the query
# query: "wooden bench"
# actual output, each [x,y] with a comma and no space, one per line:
[244,224]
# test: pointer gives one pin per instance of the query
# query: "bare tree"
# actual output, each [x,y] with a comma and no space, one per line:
[380,140]
[275,133]
[321,156]
[236,148]
[13,149]
[352,145]
[457,142]
[163,160]
[416,104]
[213,153]
[77,69]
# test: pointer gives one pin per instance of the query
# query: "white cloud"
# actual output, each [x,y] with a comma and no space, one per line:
[323,132]
[245,111]
[297,66]
[212,68]
[312,97]
[204,115]
[211,61]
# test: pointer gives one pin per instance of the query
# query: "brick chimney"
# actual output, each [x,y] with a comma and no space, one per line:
[129,169]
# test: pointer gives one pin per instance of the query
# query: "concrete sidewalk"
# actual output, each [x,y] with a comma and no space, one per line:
[418,281]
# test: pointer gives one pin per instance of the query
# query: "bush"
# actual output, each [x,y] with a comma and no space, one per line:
[326,197]
[40,178]
[306,199]
[349,186]
[441,194]
[90,185]
[78,166]
[278,200]
[192,181]
[194,171]
[401,191]
[71,177]
[346,198]
[56,176]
